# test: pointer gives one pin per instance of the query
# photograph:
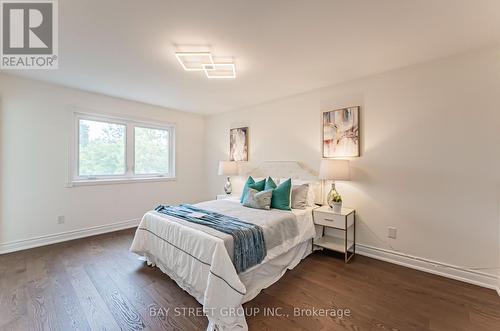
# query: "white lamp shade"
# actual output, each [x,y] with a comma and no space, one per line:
[335,170]
[228,168]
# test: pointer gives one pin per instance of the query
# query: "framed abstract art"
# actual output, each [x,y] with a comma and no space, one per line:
[340,136]
[238,144]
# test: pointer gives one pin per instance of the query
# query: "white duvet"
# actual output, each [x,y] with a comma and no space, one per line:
[199,258]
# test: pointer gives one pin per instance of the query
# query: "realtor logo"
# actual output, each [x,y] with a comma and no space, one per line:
[29,34]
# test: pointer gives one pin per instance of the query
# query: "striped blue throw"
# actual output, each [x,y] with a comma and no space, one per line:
[249,244]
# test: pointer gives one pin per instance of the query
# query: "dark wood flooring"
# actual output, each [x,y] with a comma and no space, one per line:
[97,284]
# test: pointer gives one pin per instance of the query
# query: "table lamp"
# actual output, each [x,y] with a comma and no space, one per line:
[334,169]
[228,168]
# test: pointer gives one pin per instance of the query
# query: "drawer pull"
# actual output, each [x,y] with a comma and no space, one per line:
[328,219]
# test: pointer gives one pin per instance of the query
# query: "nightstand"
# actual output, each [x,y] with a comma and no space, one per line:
[343,226]
[224,196]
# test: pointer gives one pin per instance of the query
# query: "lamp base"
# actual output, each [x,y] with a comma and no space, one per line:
[228,188]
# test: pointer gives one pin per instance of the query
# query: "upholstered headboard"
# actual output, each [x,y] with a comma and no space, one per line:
[285,169]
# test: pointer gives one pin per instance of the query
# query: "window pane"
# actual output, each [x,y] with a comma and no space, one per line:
[151,151]
[101,149]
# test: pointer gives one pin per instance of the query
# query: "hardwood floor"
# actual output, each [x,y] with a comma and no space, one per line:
[95,283]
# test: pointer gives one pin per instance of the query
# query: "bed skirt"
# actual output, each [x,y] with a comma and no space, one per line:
[255,279]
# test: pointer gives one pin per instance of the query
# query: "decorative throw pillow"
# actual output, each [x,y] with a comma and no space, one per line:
[258,200]
[299,196]
[281,198]
[250,183]
[314,186]
[270,184]
[259,186]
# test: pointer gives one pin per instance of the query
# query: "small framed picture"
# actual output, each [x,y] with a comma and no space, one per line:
[238,144]
[341,133]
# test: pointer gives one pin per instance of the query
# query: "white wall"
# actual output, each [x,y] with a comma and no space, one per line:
[429,165]
[430,157]
[34,132]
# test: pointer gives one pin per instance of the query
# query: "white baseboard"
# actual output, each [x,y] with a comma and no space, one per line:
[19,245]
[433,267]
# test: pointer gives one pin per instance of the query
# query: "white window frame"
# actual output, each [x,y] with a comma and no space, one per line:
[129,176]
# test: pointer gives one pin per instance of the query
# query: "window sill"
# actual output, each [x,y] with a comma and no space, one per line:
[107,181]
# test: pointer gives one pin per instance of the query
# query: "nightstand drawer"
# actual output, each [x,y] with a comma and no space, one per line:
[333,220]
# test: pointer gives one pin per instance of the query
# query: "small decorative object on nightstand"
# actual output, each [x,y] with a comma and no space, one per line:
[228,168]
[334,170]
[343,226]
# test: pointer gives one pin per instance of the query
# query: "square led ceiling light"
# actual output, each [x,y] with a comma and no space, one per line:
[195,61]
[220,70]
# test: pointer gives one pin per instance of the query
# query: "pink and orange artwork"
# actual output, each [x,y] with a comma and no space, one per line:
[341,133]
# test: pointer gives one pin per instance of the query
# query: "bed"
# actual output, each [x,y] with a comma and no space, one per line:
[199,259]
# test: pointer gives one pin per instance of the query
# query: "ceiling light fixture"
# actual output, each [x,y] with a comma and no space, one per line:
[204,61]
[195,61]
[221,70]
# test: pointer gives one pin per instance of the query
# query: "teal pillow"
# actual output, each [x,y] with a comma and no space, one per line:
[270,184]
[259,186]
[282,195]
[250,183]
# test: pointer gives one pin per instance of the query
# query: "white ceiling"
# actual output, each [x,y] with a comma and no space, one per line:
[125,48]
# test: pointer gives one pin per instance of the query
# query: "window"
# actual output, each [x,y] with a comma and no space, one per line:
[151,151]
[114,150]
[101,149]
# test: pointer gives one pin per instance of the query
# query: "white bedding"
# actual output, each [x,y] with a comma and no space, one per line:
[199,260]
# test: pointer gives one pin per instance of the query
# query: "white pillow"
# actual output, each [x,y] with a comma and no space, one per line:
[311,197]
